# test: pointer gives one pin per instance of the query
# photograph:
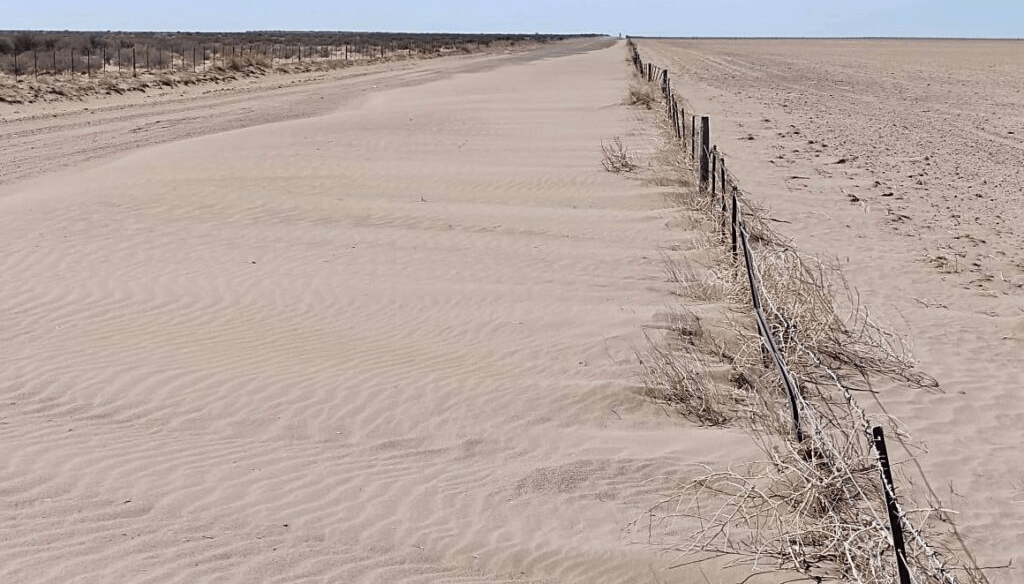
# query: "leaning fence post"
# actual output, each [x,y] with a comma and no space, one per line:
[676,119]
[705,145]
[878,437]
[769,348]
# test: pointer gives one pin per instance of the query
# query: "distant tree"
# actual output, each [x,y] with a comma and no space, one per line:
[50,43]
[25,41]
[6,48]
[96,41]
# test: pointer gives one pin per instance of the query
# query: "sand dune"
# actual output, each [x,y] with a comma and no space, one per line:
[901,159]
[393,343]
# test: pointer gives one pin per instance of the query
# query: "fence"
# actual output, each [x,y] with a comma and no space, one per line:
[721,186]
[185,57]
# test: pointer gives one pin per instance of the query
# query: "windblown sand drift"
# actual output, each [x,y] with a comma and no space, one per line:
[389,344]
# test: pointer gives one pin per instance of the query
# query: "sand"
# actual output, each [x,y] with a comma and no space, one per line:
[393,342]
[904,160]
[49,136]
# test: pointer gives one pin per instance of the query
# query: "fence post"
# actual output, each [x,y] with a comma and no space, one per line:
[15,65]
[705,145]
[735,218]
[878,437]
[714,170]
[693,137]
[35,65]
[72,62]
[725,193]
[55,62]
[133,61]
[88,63]
[676,118]
[769,349]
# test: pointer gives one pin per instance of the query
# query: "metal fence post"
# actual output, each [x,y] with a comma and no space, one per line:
[878,438]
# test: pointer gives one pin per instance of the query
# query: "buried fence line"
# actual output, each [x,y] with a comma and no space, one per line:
[714,180]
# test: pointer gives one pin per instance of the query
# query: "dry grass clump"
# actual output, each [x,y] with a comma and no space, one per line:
[816,509]
[615,157]
[675,372]
[811,308]
[641,93]
[251,63]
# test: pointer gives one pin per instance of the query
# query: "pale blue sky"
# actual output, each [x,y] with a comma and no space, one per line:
[945,18]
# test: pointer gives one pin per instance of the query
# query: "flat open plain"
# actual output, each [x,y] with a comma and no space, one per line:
[389,338]
[905,160]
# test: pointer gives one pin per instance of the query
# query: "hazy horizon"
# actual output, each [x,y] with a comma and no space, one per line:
[935,19]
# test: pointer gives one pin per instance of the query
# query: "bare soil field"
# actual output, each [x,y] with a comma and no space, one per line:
[378,328]
[904,160]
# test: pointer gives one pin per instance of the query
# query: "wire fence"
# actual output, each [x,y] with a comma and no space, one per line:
[809,428]
[183,57]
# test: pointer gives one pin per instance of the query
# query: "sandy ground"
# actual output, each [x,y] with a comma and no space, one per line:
[391,343]
[45,137]
[904,160]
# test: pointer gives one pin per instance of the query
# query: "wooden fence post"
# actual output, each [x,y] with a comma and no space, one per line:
[878,437]
[72,62]
[705,145]
[714,170]
[735,220]
[693,137]
[35,65]
[769,349]
[725,193]
[134,71]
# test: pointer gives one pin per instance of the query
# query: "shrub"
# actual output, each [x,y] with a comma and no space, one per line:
[25,41]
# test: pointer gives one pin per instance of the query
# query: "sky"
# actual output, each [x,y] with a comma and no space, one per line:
[899,18]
